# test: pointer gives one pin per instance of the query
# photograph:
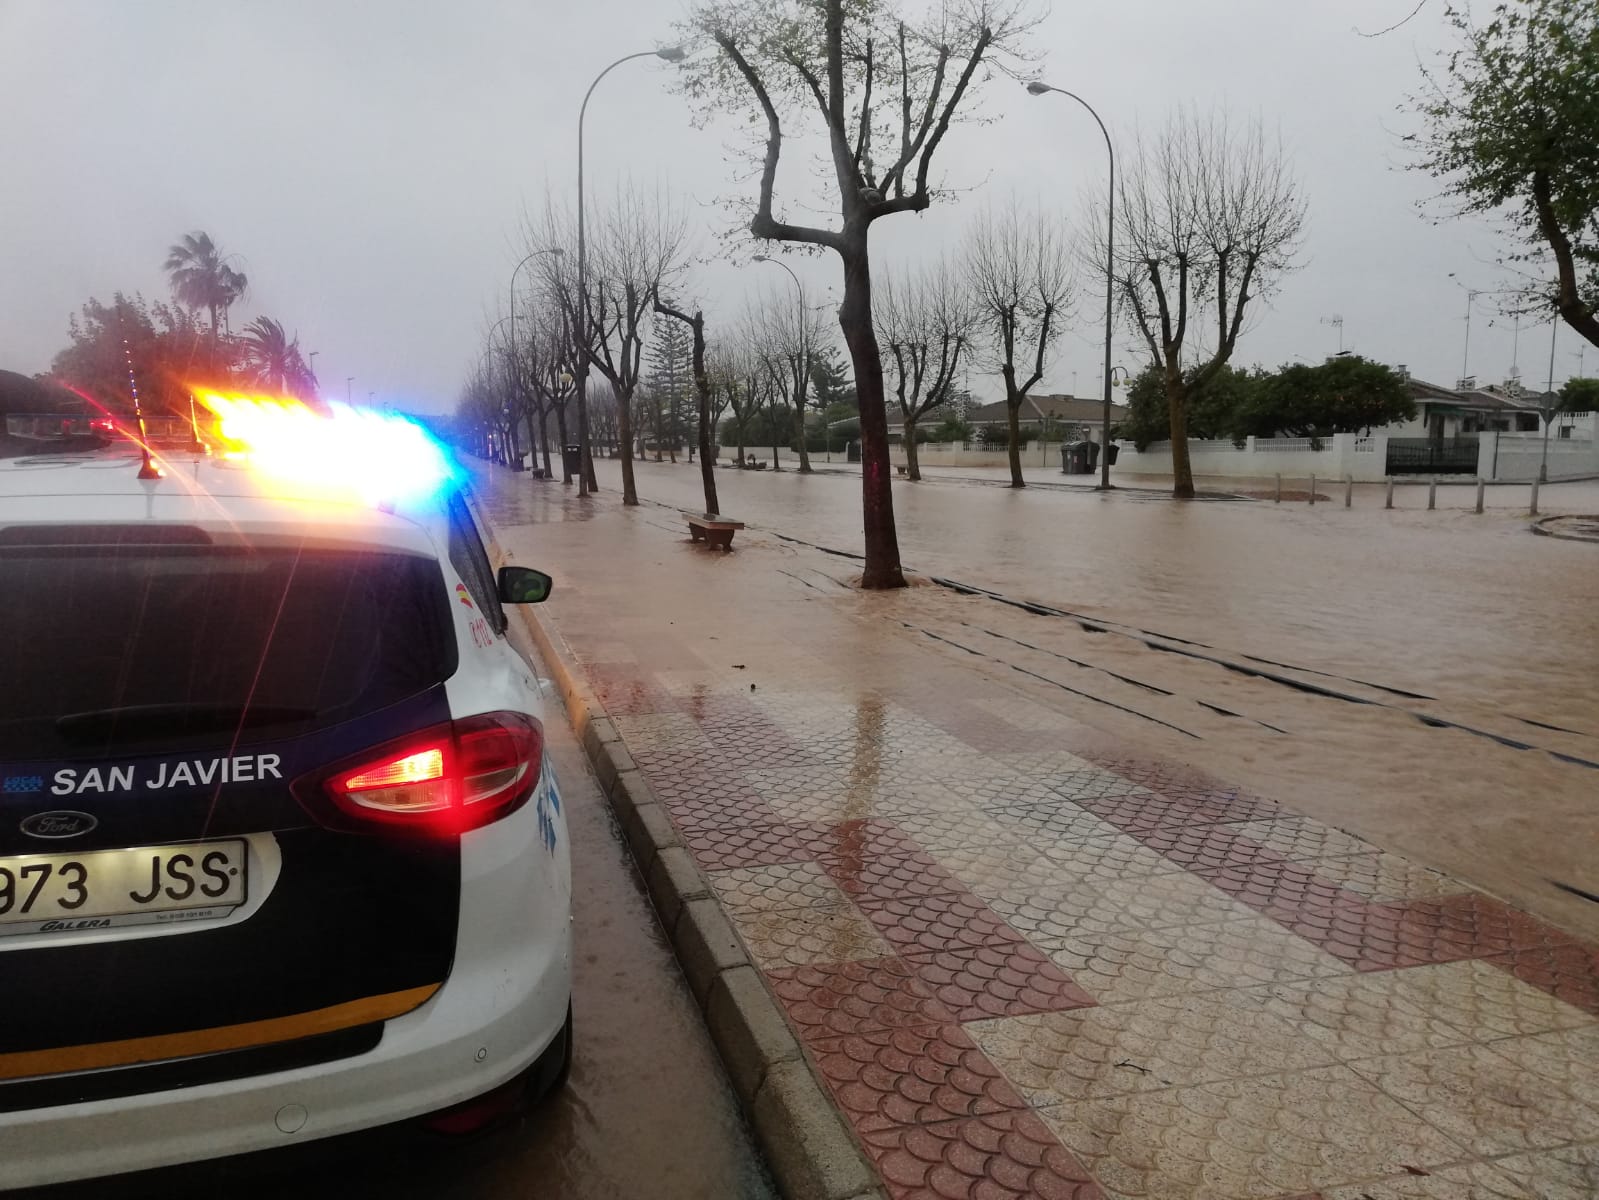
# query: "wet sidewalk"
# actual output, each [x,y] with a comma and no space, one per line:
[1028,959]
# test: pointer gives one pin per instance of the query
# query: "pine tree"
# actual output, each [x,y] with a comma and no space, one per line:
[671,379]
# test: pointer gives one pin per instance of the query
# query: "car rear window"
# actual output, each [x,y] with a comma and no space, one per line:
[122,643]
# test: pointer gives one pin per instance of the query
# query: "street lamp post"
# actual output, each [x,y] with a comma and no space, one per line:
[669,54]
[1039,88]
[349,388]
[799,292]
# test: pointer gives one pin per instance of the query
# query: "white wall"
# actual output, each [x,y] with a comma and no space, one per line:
[1344,454]
[1518,456]
[929,454]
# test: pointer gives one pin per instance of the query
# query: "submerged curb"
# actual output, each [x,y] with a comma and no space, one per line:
[809,1148]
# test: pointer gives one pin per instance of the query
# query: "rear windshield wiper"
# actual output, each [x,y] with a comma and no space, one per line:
[147,722]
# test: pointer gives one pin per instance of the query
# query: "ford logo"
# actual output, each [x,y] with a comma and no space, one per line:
[59,824]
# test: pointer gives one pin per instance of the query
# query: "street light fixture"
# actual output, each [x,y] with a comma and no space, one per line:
[1038,88]
[671,54]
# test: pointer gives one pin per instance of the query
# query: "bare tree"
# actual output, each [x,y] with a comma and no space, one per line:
[1211,219]
[1019,269]
[791,334]
[702,394]
[556,229]
[886,90]
[747,386]
[639,244]
[546,351]
[925,321]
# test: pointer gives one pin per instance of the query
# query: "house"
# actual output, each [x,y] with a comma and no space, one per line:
[1051,418]
[1444,414]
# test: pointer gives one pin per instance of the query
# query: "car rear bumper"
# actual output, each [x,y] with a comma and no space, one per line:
[504,1002]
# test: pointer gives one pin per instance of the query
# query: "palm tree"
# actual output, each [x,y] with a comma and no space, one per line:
[201,277]
[273,359]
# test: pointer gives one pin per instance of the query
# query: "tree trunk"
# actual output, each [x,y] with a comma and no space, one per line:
[544,438]
[624,434]
[776,425]
[1177,411]
[799,432]
[913,469]
[741,445]
[707,459]
[586,482]
[560,429]
[1013,430]
[882,568]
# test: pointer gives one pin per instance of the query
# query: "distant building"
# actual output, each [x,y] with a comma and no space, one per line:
[1051,418]
[1444,413]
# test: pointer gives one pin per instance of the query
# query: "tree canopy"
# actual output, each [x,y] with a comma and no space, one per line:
[1512,129]
[1346,394]
[1580,394]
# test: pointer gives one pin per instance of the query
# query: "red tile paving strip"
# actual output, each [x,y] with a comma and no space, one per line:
[885,876]
[721,847]
[1207,797]
[625,691]
[954,921]
[979,729]
[910,1076]
[848,998]
[1148,811]
[1570,973]
[1287,892]
[996,1156]
[1003,980]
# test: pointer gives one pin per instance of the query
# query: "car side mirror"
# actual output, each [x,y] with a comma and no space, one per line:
[524,585]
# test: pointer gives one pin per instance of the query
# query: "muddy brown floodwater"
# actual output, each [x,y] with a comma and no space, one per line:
[1425,679]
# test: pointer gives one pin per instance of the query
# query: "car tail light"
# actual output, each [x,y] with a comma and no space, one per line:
[445,780]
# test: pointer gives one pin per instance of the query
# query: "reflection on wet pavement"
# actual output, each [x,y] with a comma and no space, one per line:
[1026,943]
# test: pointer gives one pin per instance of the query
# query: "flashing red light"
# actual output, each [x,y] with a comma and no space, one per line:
[446,780]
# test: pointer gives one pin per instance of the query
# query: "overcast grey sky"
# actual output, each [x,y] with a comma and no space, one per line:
[369,162]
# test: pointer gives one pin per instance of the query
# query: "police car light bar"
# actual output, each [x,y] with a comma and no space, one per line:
[377,457]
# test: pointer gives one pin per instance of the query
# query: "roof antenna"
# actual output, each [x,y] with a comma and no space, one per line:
[147,469]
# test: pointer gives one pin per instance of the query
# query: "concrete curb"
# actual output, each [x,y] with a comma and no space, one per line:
[810,1149]
[1550,527]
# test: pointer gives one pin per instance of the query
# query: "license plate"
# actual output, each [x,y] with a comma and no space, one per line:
[103,889]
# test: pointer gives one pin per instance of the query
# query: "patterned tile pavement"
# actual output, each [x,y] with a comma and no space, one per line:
[1056,971]
[1028,962]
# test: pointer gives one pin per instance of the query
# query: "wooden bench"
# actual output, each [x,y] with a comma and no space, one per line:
[712,530]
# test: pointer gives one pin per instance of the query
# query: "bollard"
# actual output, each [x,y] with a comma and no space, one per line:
[1390,501]
[1432,494]
[1279,499]
[1534,498]
[1312,491]
[1349,490]
[1480,486]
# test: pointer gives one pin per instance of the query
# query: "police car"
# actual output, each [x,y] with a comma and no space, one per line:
[281,856]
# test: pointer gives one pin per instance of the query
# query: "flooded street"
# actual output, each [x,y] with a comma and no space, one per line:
[1424,679]
[1447,604]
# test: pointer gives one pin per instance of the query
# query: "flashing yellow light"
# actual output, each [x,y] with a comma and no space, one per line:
[373,456]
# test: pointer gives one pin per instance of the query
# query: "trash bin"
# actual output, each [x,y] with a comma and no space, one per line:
[572,459]
[1076,459]
[854,453]
[1113,451]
